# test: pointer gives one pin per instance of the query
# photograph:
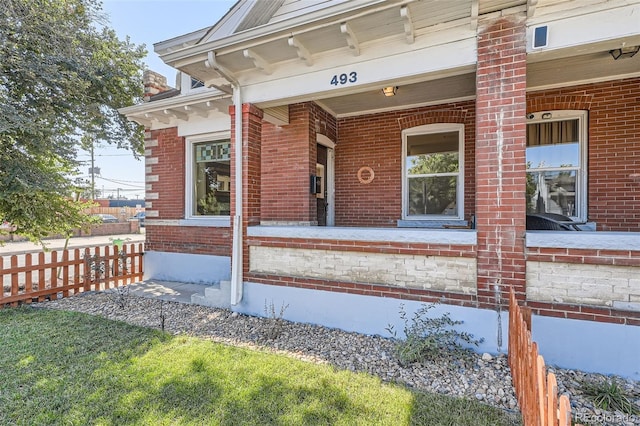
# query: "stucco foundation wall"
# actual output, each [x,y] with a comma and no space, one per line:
[571,283]
[188,268]
[442,273]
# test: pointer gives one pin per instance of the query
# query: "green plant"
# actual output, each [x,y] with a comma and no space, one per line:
[275,321]
[608,395]
[426,337]
[209,204]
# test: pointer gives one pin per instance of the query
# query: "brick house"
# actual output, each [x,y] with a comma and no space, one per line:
[403,152]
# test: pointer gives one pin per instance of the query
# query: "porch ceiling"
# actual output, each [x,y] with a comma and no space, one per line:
[596,65]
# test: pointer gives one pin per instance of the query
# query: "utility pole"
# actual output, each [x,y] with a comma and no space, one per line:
[93,175]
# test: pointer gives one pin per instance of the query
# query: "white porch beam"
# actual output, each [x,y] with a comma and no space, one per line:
[301,50]
[197,111]
[157,117]
[175,114]
[258,61]
[455,58]
[474,14]
[409,31]
[352,40]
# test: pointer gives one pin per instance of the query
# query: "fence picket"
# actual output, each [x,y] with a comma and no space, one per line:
[65,272]
[565,411]
[41,274]
[28,284]
[53,280]
[552,400]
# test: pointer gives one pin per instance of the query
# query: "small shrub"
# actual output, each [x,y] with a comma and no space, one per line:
[427,337]
[275,321]
[120,296]
[609,396]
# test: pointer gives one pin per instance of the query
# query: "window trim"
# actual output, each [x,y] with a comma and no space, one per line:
[582,116]
[190,141]
[430,129]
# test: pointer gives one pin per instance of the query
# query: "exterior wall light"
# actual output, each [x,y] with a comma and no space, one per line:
[390,91]
[624,52]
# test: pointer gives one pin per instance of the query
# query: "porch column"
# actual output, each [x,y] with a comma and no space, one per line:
[251,148]
[500,157]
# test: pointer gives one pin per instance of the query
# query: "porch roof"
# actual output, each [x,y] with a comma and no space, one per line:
[428,48]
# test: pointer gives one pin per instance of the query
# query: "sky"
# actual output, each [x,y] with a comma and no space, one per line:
[147,22]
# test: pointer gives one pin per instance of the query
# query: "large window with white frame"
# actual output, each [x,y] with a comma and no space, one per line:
[557,164]
[433,172]
[208,178]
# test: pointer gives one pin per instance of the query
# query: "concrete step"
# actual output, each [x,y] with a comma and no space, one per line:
[215,296]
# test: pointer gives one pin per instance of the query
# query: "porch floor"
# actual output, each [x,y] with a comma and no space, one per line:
[167,290]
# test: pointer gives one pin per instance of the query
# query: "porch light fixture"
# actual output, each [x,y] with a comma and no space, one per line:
[624,52]
[390,91]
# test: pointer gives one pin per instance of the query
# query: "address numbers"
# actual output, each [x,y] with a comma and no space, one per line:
[344,78]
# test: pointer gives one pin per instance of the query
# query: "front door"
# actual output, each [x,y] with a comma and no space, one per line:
[321,172]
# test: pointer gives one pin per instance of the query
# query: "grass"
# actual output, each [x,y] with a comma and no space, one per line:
[76,369]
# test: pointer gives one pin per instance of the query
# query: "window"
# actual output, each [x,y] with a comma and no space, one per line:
[195,83]
[433,173]
[209,179]
[556,163]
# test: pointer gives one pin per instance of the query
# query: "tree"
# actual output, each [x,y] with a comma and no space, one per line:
[63,75]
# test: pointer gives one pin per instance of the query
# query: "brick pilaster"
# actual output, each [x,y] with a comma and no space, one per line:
[500,157]
[251,168]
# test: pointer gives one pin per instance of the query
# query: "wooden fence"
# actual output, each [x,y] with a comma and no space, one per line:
[122,213]
[537,391]
[34,277]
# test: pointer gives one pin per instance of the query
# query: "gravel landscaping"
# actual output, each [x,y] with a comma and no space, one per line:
[481,376]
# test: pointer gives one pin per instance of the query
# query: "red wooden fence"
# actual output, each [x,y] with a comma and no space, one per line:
[537,392]
[34,277]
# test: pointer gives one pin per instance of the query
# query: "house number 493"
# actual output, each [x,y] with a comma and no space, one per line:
[344,78]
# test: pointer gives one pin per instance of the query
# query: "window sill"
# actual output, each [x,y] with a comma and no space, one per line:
[433,224]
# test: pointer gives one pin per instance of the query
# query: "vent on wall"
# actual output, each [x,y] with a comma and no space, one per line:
[540,37]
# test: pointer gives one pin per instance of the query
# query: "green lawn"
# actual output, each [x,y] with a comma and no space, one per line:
[75,369]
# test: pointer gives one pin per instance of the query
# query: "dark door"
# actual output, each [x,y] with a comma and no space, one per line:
[321,171]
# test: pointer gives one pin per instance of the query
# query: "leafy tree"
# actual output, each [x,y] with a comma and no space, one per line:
[63,75]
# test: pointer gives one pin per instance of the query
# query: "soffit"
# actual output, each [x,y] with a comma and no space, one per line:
[367,24]
[169,112]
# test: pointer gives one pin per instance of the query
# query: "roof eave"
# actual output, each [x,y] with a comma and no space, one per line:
[257,33]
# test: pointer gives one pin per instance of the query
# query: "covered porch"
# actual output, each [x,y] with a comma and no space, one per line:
[395,151]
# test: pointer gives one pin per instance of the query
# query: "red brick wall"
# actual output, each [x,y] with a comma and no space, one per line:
[376,141]
[170,205]
[500,157]
[170,170]
[288,159]
[614,147]
[285,168]
[189,239]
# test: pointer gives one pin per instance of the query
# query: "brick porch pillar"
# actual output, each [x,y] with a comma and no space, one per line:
[500,157]
[251,147]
